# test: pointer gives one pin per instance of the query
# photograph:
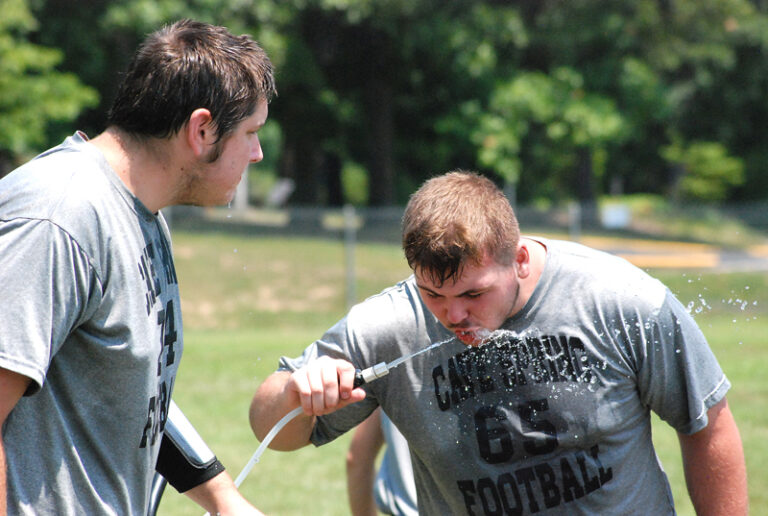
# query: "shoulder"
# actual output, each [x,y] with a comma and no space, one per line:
[57,184]
[401,297]
[65,198]
[394,310]
[591,272]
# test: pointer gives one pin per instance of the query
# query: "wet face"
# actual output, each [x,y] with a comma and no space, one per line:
[218,173]
[478,301]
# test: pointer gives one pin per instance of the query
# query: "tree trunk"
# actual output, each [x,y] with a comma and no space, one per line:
[332,176]
[381,134]
[6,165]
[300,160]
[585,187]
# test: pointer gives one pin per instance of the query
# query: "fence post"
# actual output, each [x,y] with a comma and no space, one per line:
[574,220]
[350,237]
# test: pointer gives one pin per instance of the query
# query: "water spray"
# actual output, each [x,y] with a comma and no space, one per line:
[383,368]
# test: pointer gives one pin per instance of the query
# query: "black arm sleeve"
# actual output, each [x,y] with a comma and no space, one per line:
[181,472]
[184,460]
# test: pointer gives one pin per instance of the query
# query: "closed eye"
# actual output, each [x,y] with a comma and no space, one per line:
[429,293]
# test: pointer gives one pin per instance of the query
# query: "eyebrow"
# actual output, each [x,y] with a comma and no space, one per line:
[466,292]
[422,287]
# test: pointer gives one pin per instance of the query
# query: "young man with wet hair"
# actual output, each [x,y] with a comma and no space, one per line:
[91,324]
[538,400]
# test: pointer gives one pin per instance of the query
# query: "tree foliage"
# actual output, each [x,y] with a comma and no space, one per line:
[563,99]
[570,121]
[32,92]
[707,172]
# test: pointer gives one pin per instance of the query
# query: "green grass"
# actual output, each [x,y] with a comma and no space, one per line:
[249,300]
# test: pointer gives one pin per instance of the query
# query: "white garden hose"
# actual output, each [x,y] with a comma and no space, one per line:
[263,446]
[361,378]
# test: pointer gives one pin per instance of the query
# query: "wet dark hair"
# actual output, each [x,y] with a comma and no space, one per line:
[455,219]
[186,66]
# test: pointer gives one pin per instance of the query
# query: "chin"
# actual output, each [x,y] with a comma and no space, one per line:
[223,200]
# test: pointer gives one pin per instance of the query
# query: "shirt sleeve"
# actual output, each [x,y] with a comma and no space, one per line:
[679,377]
[47,283]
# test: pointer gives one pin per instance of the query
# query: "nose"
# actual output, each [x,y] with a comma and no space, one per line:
[256,152]
[456,311]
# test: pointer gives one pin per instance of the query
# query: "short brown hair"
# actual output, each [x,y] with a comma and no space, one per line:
[186,66]
[455,219]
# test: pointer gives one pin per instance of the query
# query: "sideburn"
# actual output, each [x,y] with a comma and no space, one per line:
[215,152]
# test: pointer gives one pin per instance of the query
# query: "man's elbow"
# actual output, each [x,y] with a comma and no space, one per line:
[262,414]
[256,420]
[294,434]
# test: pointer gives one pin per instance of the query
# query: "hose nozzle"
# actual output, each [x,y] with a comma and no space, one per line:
[370,373]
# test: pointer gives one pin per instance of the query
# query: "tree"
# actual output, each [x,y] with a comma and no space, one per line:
[396,76]
[666,69]
[707,172]
[405,90]
[574,125]
[32,93]
[673,67]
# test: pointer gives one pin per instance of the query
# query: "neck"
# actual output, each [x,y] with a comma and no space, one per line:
[142,166]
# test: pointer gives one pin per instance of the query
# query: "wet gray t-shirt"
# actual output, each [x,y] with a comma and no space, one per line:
[91,315]
[551,416]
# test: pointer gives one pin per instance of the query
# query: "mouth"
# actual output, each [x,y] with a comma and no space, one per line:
[475,337]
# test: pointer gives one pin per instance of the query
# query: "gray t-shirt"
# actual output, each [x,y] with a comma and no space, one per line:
[91,315]
[551,416]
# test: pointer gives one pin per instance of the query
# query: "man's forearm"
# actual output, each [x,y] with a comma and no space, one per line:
[219,495]
[270,403]
[715,470]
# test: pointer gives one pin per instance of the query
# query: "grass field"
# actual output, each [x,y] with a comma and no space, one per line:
[249,300]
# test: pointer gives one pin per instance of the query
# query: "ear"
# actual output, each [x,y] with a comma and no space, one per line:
[523,260]
[199,131]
